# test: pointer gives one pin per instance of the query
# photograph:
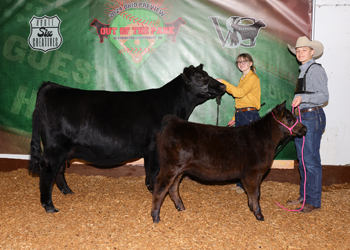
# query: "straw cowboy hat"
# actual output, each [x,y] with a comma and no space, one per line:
[303,41]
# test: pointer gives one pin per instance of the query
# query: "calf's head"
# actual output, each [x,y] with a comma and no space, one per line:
[289,123]
[201,83]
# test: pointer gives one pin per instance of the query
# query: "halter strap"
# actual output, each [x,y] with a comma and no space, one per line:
[205,88]
[290,129]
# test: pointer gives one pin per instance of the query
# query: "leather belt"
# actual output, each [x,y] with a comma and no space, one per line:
[245,109]
[302,111]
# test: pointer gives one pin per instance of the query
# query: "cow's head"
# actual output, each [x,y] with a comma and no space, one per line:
[201,83]
[289,123]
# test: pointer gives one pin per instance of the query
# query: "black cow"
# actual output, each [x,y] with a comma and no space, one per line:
[107,128]
[219,154]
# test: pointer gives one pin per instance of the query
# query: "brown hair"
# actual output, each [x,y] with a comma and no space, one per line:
[248,58]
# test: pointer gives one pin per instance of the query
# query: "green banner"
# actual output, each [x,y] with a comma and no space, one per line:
[134,45]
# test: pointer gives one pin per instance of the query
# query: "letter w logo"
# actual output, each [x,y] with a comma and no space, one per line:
[231,40]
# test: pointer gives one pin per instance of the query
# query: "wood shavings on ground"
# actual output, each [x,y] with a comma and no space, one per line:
[114,213]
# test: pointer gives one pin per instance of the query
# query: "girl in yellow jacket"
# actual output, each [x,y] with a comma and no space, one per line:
[247,95]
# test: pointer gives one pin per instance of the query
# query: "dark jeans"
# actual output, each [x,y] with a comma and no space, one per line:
[244,118]
[315,121]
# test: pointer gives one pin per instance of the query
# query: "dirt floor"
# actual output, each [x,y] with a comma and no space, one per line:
[114,213]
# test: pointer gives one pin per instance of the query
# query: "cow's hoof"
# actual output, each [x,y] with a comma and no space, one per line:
[67,191]
[51,210]
[150,188]
[260,217]
[156,221]
[155,217]
[180,208]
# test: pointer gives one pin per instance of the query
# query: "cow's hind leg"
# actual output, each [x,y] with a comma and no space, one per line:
[175,195]
[50,166]
[61,180]
[161,187]
[151,169]
[252,187]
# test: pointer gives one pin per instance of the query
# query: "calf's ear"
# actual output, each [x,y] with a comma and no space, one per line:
[280,107]
[283,104]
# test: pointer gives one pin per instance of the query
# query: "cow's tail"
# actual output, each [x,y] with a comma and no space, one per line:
[35,144]
[35,147]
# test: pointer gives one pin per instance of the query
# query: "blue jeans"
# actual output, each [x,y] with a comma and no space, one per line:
[315,121]
[244,118]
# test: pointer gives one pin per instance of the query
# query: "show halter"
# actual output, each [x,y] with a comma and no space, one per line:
[302,157]
[205,88]
[289,128]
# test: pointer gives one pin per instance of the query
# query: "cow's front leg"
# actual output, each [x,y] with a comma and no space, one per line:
[61,181]
[151,169]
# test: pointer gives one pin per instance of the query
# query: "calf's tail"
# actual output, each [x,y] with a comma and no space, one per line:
[165,122]
[35,147]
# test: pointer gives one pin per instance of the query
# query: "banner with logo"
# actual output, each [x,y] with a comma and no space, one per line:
[124,45]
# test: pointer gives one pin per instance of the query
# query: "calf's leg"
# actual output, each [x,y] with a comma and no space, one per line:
[162,185]
[175,195]
[252,188]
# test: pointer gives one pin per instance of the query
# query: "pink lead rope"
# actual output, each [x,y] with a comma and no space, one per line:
[302,158]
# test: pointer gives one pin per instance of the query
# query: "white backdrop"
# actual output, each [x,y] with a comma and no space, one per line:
[332,28]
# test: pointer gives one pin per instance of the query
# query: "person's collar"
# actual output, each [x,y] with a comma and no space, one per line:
[250,72]
[243,77]
[307,64]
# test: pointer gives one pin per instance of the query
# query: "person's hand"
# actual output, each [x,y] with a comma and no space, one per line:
[219,80]
[231,123]
[297,100]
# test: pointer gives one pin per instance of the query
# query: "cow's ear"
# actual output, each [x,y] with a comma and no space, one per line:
[200,66]
[191,67]
[187,70]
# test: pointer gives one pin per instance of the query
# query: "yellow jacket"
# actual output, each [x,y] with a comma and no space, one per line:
[247,93]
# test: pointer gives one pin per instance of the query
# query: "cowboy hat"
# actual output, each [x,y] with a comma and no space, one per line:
[303,41]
